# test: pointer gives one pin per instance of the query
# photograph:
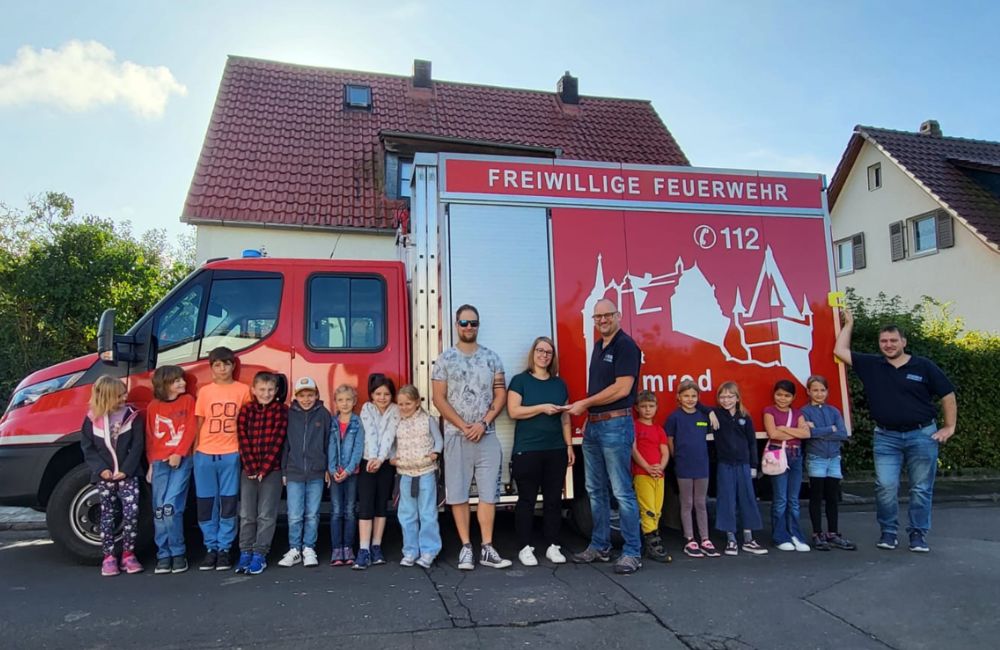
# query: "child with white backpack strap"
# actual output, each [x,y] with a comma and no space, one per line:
[786,428]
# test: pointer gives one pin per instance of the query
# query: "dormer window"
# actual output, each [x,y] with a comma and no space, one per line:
[358,96]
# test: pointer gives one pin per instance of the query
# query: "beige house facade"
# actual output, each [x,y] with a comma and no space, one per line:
[323,243]
[916,214]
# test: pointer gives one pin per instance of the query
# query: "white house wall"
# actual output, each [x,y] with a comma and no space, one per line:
[965,275]
[230,241]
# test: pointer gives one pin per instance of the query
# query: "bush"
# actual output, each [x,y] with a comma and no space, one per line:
[970,359]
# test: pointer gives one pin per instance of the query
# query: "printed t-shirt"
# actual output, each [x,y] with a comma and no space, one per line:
[220,404]
[171,428]
[689,431]
[648,438]
[470,383]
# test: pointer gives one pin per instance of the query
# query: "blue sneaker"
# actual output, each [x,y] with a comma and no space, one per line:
[363,561]
[244,564]
[377,557]
[257,564]
[888,541]
[918,544]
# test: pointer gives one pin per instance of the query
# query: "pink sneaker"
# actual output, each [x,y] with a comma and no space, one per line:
[130,564]
[109,567]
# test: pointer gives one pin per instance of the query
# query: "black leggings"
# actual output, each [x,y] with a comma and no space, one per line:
[821,489]
[547,470]
[374,490]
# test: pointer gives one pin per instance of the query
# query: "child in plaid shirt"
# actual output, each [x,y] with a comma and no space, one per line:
[261,426]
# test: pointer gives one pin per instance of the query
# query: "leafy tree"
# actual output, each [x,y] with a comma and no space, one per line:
[58,272]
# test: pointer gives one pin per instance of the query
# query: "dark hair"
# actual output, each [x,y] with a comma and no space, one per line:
[645,396]
[890,328]
[817,379]
[785,385]
[162,378]
[463,308]
[221,354]
[377,380]
[265,377]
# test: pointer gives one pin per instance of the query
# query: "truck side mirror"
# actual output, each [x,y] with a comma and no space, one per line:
[106,337]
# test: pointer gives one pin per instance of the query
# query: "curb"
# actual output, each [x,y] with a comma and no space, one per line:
[23,525]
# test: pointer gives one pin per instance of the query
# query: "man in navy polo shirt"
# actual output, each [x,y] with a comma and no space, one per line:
[607,441]
[901,389]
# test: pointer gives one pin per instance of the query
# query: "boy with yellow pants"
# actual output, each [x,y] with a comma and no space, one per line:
[650,454]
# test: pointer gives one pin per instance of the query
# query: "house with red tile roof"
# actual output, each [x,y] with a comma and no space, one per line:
[316,162]
[918,214]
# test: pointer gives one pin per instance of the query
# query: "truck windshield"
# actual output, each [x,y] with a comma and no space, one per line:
[239,312]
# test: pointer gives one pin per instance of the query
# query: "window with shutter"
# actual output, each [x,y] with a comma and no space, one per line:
[945,227]
[858,250]
[897,240]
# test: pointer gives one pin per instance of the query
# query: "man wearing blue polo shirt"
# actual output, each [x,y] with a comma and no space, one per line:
[608,438]
[901,389]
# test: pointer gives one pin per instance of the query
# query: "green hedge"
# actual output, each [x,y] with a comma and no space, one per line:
[970,359]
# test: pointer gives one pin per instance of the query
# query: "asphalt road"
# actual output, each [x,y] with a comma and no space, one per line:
[865,599]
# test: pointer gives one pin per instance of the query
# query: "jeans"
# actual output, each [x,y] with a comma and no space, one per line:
[259,512]
[217,486]
[303,499]
[170,490]
[920,452]
[418,516]
[343,512]
[607,458]
[785,502]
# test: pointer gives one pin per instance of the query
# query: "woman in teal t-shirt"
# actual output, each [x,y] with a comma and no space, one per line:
[543,447]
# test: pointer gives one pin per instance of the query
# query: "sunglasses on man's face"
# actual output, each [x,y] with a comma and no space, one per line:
[468,323]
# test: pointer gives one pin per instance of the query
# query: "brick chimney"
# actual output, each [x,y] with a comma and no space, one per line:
[421,73]
[931,128]
[568,89]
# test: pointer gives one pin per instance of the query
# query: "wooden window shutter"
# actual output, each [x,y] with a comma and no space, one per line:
[858,250]
[897,240]
[945,226]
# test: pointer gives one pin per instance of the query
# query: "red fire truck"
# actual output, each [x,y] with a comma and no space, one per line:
[719,275]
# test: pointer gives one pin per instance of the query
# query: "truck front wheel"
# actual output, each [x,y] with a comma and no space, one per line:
[73,516]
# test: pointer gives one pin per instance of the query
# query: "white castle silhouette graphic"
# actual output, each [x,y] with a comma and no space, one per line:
[773,330]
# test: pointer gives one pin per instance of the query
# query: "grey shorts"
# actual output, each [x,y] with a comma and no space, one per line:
[464,460]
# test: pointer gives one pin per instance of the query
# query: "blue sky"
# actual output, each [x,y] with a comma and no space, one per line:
[109,101]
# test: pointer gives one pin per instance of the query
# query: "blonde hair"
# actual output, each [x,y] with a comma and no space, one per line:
[105,395]
[686,385]
[410,391]
[817,379]
[734,388]
[554,366]
[346,388]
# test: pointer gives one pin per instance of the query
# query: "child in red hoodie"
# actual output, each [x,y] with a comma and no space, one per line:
[171,428]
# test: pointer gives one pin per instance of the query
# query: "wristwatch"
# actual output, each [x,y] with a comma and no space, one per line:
[485,424]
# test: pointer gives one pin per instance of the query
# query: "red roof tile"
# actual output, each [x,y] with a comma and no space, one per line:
[944,166]
[281,142]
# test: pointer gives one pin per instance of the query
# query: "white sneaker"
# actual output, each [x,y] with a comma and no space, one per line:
[554,554]
[527,556]
[309,557]
[786,546]
[800,546]
[292,557]
[407,560]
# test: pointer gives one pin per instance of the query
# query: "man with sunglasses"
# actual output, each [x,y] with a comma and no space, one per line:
[608,438]
[470,391]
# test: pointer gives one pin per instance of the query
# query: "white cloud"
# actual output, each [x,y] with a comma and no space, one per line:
[84,75]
